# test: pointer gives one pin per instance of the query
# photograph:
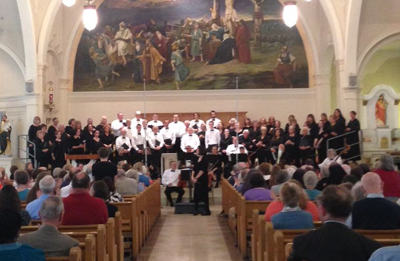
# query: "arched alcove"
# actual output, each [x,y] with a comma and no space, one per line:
[12,71]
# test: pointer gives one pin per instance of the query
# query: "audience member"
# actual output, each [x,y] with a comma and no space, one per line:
[13,169]
[324,181]
[22,184]
[104,168]
[256,189]
[357,172]
[125,185]
[390,253]
[365,168]
[292,216]
[389,176]
[10,250]
[80,207]
[47,238]
[310,182]
[298,175]
[357,192]
[99,190]
[304,203]
[114,195]
[375,212]
[327,243]
[281,177]
[46,187]
[142,170]
[9,200]
[336,174]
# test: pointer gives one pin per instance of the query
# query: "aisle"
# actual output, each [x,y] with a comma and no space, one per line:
[190,238]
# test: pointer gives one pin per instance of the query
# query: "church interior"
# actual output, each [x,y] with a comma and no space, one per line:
[292,89]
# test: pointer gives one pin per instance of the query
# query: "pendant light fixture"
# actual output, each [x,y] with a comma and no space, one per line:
[90,16]
[68,3]
[290,13]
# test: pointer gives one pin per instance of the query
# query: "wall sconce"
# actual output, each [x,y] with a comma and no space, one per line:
[49,105]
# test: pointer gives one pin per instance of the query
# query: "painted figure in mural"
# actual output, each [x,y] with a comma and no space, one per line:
[230,17]
[137,62]
[213,47]
[152,63]
[103,66]
[5,129]
[285,66]
[380,111]
[225,52]
[123,39]
[258,18]
[180,69]
[215,17]
[196,43]
[242,43]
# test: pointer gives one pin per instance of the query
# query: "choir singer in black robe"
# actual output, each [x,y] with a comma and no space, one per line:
[353,127]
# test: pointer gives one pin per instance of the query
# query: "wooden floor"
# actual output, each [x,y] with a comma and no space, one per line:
[188,237]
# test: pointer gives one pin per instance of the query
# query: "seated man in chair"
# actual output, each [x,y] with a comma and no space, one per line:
[171,179]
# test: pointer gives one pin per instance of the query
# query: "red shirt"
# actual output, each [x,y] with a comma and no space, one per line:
[391,182]
[276,206]
[83,209]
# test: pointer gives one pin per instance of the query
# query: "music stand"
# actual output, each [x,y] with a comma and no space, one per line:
[186,174]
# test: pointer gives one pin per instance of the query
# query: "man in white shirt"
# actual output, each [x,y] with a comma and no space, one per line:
[332,157]
[146,129]
[137,120]
[129,130]
[138,144]
[212,137]
[190,140]
[196,122]
[178,128]
[235,148]
[213,119]
[156,143]
[124,142]
[118,124]
[168,136]
[155,122]
[170,180]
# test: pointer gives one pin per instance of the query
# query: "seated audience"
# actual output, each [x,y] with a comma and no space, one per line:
[357,192]
[304,203]
[114,195]
[334,241]
[9,200]
[80,201]
[310,181]
[256,188]
[292,216]
[142,170]
[375,212]
[100,190]
[336,174]
[104,168]
[10,250]
[125,185]
[47,238]
[281,177]
[22,180]
[390,253]
[46,187]
[170,180]
[298,175]
[324,181]
[389,176]
[13,169]
[240,179]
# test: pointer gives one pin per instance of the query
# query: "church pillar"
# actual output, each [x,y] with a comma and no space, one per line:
[62,99]
[323,93]
[40,91]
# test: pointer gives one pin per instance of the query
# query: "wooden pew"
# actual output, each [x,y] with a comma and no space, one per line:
[245,220]
[82,157]
[119,238]
[75,254]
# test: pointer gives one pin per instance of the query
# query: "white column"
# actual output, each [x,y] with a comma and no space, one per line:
[39,90]
[341,83]
[323,93]
[62,100]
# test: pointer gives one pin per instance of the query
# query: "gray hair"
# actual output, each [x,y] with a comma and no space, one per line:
[386,162]
[238,167]
[120,173]
[133,174]
[357,192]
[282,176]
[310,179]
[51,208]
[325,172]
[47,184]
[332,151]
[57,172]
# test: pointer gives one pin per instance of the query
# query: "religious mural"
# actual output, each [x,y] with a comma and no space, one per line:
[190,45]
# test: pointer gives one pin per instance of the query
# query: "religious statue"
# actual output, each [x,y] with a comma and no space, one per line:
[5,130]
[380,111]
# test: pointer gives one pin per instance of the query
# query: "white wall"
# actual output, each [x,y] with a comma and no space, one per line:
[258,103]
[11,78]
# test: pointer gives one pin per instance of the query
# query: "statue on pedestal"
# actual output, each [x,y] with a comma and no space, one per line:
[380,111]
[5,130]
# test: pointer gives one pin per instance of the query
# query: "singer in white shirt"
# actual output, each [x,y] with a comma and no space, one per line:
[196,122]
[178,128]
[214,119]
[235,148]
[167,135]
[155,122]
[129,130]
[137,120]
[118,124]
[190,140]
[121,140]
[146,131]
[170,179]
[156,143]
[212,137]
